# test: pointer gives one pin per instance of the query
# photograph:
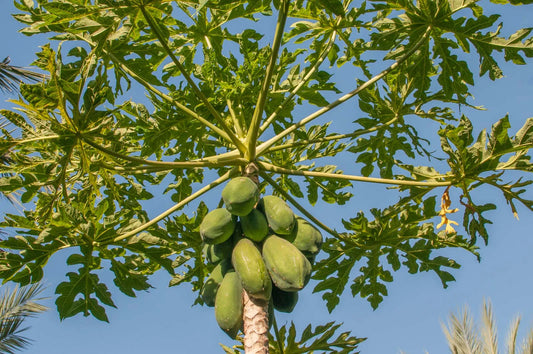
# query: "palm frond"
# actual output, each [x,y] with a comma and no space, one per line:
[462,335]
[11,340]
[527,344]
[11,75]
[21,302]
[15,307]
[511,336]
[489,333]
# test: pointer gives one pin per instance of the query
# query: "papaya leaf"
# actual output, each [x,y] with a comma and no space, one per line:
[322,338]
[398,236]
[481,161]
[75,295]
[131,274]
[189,262]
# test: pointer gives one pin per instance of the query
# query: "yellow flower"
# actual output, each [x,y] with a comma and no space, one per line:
[444,211]
[449,228]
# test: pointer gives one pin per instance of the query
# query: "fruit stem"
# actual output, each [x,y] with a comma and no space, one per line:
[252,172]
[278,337]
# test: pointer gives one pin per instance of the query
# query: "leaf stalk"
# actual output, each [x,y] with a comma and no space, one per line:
[179,205]
[235,140]
[236,161]
[340,176]
[267,144]
[297,88]
[253,132]
[299,206]
[330,138]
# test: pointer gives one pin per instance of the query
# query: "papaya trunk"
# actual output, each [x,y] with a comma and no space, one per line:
[255,311]
[255,318]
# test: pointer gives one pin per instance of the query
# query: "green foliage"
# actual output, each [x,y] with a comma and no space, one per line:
[323,338]
[221,96]
[485,160]
[397,236]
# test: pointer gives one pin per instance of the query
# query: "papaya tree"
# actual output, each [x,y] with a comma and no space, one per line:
[248,89]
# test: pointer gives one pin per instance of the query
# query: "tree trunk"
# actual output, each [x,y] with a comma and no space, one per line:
[255,327]
[255,312]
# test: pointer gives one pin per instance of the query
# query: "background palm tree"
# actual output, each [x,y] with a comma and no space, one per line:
[11,75]
[15,306]
[464,337]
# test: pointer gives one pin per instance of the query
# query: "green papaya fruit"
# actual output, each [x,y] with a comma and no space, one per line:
[217,226]
[240,195]
[218,252]
[279,215]
[284,301]
[228,304]
[254,225]
[248,264]
[210,288]
[306,237]
[287,266]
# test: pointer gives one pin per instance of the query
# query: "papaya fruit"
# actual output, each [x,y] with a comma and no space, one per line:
[284,301]
[240,195]
[218,252]
[210,287]
[306,238]
[248,264]
[217,226]
[254,225]
[287,266]
[228,304]
[279,215]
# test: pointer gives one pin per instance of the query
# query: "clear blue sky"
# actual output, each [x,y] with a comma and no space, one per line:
[162,320]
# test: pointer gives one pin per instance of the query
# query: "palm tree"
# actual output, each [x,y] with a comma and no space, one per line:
[464,338]
[11,75]
[15,307]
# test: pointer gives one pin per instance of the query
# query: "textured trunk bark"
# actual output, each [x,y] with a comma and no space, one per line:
[255,312]
[255,317]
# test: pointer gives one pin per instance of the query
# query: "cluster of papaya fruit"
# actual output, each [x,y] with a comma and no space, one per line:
[256,244]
